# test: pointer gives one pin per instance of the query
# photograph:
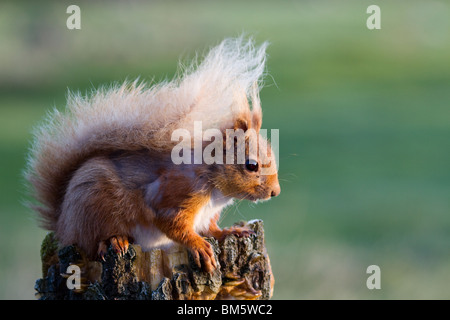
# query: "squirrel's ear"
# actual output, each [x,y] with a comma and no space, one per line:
[241,123]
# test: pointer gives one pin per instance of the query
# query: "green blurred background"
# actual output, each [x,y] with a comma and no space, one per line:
[364,120]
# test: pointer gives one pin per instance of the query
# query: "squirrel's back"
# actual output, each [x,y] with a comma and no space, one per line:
[135,116]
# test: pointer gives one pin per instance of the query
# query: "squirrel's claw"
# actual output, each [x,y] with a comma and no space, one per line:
[196,257]
[102,249]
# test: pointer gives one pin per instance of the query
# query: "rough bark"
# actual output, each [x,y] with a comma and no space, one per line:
[244,272]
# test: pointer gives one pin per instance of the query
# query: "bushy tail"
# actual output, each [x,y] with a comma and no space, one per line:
[134,116]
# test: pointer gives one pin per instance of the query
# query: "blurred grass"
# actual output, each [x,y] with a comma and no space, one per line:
[364,121]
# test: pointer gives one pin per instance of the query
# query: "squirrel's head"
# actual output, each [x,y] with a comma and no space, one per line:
[249,170]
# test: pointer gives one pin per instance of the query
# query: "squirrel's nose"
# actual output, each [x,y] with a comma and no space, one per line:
[276,191]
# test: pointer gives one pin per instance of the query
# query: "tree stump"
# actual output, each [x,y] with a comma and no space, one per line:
[244,272]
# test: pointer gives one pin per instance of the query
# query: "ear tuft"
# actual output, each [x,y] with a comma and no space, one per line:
[256,119]
[256,107]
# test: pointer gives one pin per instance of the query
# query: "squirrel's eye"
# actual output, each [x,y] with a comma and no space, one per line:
[251,165]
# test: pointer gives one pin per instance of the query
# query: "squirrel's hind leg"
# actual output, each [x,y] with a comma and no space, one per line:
[99,210]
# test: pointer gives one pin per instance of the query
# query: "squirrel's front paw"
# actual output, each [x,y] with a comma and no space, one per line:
[204,250]
[237,231]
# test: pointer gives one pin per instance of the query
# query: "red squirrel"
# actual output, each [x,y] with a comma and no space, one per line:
[102,170]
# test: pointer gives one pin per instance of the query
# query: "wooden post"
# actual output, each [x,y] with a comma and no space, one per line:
[244,272]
